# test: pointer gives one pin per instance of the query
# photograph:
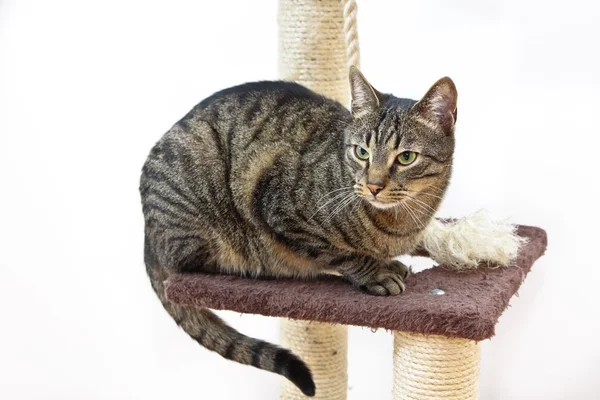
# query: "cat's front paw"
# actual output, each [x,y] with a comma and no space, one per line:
[387,280]
[404,270]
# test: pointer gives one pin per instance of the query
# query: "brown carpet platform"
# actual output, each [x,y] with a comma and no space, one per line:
[470,308]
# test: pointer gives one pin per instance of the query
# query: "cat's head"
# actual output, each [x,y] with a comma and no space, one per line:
[400,149]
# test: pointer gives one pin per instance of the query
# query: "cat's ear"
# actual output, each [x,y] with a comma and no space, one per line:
[365,99]
[438,106]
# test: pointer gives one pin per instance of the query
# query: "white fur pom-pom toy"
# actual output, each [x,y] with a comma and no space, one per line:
[465,243]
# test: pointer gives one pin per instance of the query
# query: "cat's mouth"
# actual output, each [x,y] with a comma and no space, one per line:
[382,204]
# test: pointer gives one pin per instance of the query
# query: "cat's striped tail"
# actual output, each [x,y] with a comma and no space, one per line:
[213,333]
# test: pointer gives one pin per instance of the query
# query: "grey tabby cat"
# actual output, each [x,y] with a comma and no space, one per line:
[272,179]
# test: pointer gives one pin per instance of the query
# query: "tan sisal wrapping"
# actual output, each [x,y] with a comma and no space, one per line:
[324,347]
[435,367]
[318,41]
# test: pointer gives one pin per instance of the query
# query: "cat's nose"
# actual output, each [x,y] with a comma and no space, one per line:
[375,187]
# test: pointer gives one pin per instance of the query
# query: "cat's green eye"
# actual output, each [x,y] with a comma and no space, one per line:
[361,153]
[407,157]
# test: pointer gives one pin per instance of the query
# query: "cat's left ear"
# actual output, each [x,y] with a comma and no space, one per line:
[438,106]
[365,98]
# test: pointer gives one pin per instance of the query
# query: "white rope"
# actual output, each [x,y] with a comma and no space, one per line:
[464,243]
[435,367]
[351,33]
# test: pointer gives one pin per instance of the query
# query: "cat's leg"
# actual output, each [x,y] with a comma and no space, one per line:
[373,276]
[377,277]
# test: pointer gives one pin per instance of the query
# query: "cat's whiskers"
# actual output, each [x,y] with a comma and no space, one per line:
[333,191]
[416,191]
[337,196]
[426,194]
[432,195]
[355,205]
[422,204]
[437,187]
[343,203]
[407,209]
[423,208]
[423,211]
[413,211]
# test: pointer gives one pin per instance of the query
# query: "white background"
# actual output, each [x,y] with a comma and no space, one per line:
[86,88]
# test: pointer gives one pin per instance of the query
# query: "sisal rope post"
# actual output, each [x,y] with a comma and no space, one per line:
[318,41]
[435,367]
[324,348]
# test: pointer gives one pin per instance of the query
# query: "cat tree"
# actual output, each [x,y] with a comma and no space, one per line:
[440,319]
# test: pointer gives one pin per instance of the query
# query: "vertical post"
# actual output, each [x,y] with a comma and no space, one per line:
[435,367]
[324,347]
[313,51]
[312,47]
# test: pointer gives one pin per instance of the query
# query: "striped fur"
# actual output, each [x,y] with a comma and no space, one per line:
[261,180]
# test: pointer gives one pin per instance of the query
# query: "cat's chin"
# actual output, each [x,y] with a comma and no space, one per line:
[382,205]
